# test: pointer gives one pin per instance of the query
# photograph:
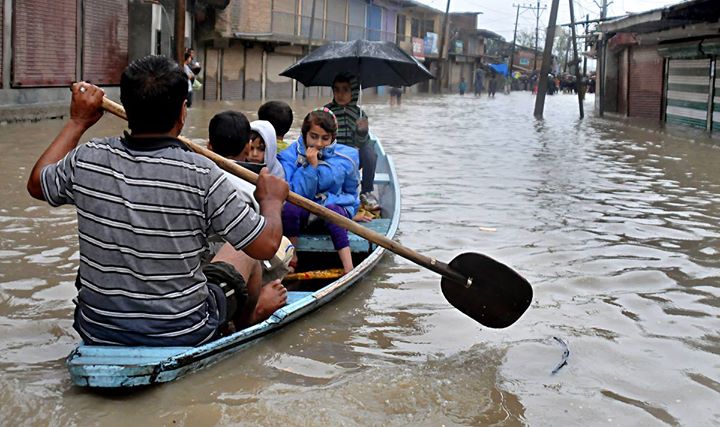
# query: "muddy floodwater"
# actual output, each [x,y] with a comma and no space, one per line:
[616,227]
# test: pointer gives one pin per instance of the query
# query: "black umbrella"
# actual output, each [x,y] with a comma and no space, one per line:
[373,63]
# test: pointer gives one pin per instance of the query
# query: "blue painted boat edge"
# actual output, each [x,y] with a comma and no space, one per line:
[172,363]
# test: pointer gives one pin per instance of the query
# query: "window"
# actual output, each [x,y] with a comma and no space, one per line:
[429,26]
[415,27]
[401,25]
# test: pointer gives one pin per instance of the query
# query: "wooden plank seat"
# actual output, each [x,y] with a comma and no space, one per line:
[381,178]
[322,242]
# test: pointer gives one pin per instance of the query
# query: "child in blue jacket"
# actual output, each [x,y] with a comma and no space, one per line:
[320,169]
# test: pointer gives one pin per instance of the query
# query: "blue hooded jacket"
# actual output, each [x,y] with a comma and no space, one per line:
[334,181]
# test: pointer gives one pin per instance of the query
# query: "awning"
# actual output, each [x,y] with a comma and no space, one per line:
[500,68]
[677,15]
[692,49]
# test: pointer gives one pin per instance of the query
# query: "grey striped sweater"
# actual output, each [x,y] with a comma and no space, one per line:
[145,210]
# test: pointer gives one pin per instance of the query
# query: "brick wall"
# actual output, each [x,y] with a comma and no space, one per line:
[245,16]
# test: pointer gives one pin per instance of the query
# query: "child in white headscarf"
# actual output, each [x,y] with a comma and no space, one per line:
[263,147]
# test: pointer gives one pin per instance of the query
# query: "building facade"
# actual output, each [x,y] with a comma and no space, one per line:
[663,65]
[242,45]
[252,41]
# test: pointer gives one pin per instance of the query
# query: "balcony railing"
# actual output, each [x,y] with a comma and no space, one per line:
[298,26]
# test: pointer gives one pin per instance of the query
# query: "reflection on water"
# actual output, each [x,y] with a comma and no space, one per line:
[618,229]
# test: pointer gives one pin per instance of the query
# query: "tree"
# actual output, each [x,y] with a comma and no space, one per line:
[561,47]
[562,42]
[527,38]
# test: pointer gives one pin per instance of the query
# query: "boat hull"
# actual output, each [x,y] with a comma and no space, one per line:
[118,367]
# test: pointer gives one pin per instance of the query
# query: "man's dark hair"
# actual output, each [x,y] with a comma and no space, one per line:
[152,90]
[279,114]
[229,133]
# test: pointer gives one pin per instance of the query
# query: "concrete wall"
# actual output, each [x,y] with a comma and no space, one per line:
[245,16]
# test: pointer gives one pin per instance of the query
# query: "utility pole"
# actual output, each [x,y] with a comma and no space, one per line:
[587,18]
[180,31]
[310,38]
[600,74]
[441,63]
[512,48]
[312,24]
[537,34]
[547,58]
[576,62]
[517,16]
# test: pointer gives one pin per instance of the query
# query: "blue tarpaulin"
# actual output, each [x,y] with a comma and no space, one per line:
[500,68]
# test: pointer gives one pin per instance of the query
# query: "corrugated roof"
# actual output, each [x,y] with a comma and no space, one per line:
[689,12]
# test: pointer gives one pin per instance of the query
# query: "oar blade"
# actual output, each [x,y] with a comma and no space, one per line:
[498,295]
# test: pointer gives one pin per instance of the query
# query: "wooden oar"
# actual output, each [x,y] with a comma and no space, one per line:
[482,288]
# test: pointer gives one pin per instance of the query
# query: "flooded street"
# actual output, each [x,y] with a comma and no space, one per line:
[616,228]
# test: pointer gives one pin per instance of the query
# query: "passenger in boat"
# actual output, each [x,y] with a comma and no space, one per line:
[353,131]
[145,204]
[320,169]
[280,115]
[230,136]
[263,147]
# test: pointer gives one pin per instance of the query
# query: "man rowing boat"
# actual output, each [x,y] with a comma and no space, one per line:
[146,206]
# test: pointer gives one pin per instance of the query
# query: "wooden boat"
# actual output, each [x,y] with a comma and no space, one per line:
[114,367]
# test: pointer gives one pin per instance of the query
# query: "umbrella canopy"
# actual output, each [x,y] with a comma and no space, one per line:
[373,63]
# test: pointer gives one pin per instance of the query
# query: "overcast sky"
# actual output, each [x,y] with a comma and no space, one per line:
[499,15]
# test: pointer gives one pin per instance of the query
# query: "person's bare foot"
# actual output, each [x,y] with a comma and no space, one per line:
[273,295]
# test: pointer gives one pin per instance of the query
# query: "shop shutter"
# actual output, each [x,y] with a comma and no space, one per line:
[105,40]
[622,88]
[233,72]
[278,86]
[44,43]
[211,67]
[688,89]
[646,83]
[716,99]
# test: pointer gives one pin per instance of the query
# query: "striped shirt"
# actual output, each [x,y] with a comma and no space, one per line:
[145,210]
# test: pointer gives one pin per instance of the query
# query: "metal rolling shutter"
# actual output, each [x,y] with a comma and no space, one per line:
[687,92]
[276,85]
[212,68]
[716,99]
[646,83]
[622,88]
[105,40]
[234,72]
[44,42]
